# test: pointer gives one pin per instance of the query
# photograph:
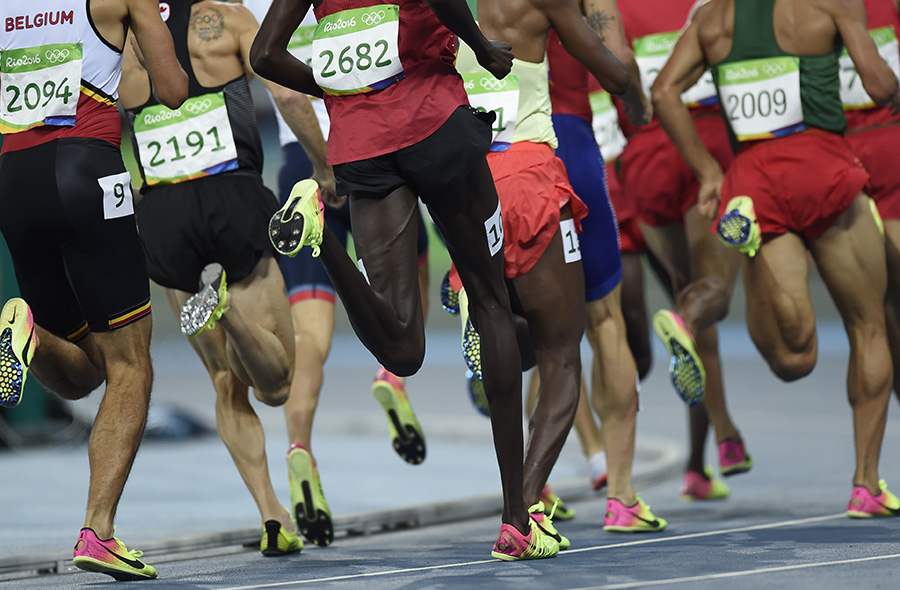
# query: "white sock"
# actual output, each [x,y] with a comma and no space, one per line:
[597,465]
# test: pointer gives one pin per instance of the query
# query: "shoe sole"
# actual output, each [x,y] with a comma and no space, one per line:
[471,347]
[210,298]
[287,224]
[737,469]
[312,519]
[406,433]
[738,227]
[15,356]
[90,564]
[630,529]
[685,366]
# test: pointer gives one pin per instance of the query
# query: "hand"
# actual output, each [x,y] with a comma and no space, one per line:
[497,58]
[709,197]
[893,103]
[325,180]
[641,115]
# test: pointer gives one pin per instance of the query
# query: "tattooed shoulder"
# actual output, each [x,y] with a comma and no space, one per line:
[208,23]
[601,22]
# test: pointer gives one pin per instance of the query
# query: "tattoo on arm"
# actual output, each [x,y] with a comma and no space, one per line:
[208,24]
[600,22]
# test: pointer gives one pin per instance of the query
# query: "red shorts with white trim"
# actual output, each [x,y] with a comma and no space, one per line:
[801,183]
[533,186]
[875,149]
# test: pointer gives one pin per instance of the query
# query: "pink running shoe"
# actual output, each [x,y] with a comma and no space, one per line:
[703,486]
[734,458]
[631,519]
[864,505]
[512,545]
[110,557]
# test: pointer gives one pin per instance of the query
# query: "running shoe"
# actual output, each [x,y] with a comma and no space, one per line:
[703,486]
[877,215]
[203,310]
[311,511]
[734,458]
[512,545]
[406,434]
[685,367]
[449,296]
[864,505]
[738,227]
[471,341]
[631,519]
[476,394]
[277,542]
[599,482]
[17,344]
[552,504]
[110,557]
[544,519]
[300,222]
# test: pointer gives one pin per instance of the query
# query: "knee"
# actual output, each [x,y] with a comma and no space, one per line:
[274,398]
[793,365]
[403,361]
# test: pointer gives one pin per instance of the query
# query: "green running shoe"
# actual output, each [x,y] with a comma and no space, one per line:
[539,514]
[18,342]
[203,310]
[277,542]
[300,222]
[311,511]
[553,505]
[512,545]
[685,367]
[738,227]
[406,433]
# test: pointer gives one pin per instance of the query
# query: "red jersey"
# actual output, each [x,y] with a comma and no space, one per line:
[568,81]
[879,14]
[650,23]
[409,110]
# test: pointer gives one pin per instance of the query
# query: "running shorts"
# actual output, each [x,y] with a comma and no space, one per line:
[221,218]
[305,276]
[587,174]
[532,185]
[69,223]
[658,180]
[801,183]
[429,168]
[875,149]
[630,237]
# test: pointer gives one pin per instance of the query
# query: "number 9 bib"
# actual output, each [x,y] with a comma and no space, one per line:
[40,86]
[356,51]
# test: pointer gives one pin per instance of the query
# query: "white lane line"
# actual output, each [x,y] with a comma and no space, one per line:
[758,527]
[766,570]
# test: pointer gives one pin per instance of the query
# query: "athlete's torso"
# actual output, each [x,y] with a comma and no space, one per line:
[421,94]
[883,23]
[44,36]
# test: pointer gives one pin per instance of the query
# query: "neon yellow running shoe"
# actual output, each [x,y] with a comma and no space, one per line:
[311,511]
[406,433]
[873,207]
[543,517]
[203,310]
[685,367]
[110,557]
[512,545]
[471,340]
[703,486]
[18,342]
[300,222]
[738,227]
[553,505]
[631,519]
[277,542]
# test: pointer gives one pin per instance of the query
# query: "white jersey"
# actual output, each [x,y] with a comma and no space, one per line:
[285,135]
[38,23]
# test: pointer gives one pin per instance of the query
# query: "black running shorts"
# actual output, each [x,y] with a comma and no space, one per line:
[68,220]
[222,218]
[429,167]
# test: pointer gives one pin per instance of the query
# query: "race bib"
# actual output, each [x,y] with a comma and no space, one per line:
[571,245]
[853,95]
[761,97]
[356,51]
[40,86]
[607,132]
[192,141]
[487,93]
[652,52]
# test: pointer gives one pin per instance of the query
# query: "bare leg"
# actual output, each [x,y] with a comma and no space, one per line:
[70,370]
[892,302]
[634,308]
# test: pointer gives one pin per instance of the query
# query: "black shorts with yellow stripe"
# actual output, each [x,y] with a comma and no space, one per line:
[68,219]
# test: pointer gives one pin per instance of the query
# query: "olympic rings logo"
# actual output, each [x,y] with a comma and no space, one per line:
[373,18]
[493,84]
[55,56]
[200,106]
[773,69]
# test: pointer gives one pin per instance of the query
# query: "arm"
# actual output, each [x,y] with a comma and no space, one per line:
[293,106]
[269,56]
[876,76]
[603,16]
[494,56]
[157,51]
[684,67]
[583,44]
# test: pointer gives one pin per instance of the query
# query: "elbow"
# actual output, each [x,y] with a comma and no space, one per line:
[174,95]
[261,58]
[660,95]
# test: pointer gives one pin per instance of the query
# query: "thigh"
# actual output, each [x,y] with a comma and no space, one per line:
[260,296]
